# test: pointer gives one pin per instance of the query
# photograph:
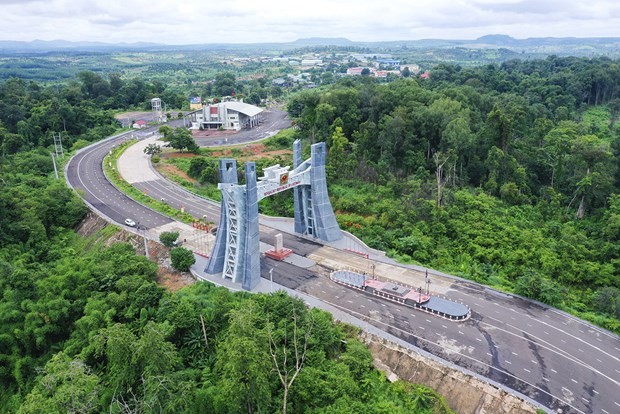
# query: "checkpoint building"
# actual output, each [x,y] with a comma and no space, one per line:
[231,115]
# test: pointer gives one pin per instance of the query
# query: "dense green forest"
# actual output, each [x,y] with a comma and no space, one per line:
[85,328]
[504,174]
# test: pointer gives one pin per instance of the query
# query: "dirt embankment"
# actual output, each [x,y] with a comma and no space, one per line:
[94,227]
[463,393]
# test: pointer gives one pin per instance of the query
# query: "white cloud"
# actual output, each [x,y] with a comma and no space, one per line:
[249,21]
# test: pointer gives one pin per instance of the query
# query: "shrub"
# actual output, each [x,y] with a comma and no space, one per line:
[182,258]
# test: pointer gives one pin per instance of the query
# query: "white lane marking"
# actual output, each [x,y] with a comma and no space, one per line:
[534,362]
[554,371]
[546,332]
[514,353]
[586,401]
[427,320]
[489,354]
[595,391]
[444,326]
[618,371]
[421,327]
[349,301]
[357,314]
[617,404]
[603,410]
[574,380]
[383,304]
[545,379]
[508,362]
[526,370]
[478,339]
[581,350]
[461,333]
[563,340]
[398,309]
[598,360]
[362,306]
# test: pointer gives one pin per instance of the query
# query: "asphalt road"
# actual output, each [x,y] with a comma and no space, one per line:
[84,173]
[555,359]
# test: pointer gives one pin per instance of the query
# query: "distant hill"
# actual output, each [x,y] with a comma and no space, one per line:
[64,45]
[323,41]
[539,46]
[497,39]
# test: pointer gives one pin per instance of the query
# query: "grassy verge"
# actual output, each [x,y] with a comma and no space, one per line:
[208,190]
[111,172]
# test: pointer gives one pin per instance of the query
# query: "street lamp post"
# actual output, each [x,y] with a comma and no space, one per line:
[271,279]
[146,245]
[428,283]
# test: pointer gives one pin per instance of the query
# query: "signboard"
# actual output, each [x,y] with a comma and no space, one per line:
[195,100]
[281,188]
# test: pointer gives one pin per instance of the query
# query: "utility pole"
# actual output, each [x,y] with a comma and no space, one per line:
[58,145]
[54,162]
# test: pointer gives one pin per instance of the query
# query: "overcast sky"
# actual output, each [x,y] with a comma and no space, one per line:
[252,21]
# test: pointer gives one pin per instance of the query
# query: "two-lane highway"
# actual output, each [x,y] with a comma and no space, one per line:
[84,172]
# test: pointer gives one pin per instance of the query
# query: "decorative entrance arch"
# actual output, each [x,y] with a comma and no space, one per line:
[236,252]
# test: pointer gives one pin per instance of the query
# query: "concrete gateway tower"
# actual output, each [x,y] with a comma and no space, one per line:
[236,252]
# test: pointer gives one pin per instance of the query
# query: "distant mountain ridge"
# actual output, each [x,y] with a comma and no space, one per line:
[487,41]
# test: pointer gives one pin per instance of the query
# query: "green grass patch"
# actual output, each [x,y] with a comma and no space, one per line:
[282,140]
[111,172]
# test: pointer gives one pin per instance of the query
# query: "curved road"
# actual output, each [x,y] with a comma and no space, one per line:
[555,359]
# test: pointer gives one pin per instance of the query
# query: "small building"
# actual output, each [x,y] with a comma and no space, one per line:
[232,115]
[425,75]
[413,68]
[393,63]
[280,82]
[355,71]
[139,124]
[311,62]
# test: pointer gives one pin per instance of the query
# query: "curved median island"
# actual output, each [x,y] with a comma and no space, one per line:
[404,295]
